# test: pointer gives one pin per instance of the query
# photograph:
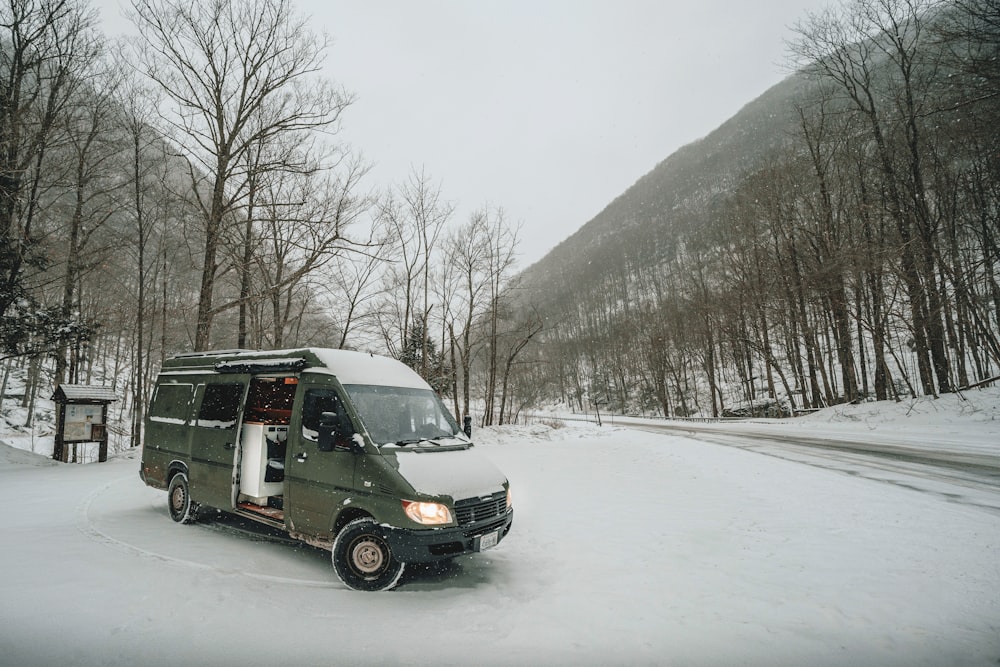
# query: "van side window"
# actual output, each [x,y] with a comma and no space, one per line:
[171,403]
[316,402]
[220,407]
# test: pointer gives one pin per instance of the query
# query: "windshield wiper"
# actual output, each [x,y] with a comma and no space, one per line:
[434,440]
[417,441]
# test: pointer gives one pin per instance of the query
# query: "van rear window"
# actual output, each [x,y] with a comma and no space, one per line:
[220,407]
[172,403]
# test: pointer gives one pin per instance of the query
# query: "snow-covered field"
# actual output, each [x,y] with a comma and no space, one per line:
[627,548]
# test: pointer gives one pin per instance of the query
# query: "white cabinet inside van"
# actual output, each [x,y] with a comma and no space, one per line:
[262,469]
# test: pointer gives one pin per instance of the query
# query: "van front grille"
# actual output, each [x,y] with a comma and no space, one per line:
[482,529]
[475,510]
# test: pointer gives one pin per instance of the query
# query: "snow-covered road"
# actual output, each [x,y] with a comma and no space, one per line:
[627,548]
[963,476]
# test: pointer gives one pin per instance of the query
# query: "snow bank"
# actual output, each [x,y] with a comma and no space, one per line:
[555,430]
[967,422]
[978,406]
[12,456]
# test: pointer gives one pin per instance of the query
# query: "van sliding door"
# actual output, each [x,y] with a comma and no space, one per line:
[215,441]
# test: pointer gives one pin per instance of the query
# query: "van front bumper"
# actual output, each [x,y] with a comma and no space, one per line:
[423,546]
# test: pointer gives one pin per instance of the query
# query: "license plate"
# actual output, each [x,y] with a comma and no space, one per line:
[489,540]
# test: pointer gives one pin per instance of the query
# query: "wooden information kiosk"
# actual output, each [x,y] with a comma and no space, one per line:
[81,416]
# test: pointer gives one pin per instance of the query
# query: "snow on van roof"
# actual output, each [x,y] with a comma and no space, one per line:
[363,368]
[349,366]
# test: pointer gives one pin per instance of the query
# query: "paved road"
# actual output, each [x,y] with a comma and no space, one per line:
[971,478]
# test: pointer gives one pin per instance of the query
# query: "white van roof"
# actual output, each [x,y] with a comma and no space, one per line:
[363,368]
[348,366]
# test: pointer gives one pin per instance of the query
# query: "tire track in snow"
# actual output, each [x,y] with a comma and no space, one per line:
[87,525]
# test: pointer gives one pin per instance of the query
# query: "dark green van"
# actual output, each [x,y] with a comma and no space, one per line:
[343,450]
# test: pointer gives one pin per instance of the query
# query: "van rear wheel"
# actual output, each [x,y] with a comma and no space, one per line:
[182,508]
[362,558]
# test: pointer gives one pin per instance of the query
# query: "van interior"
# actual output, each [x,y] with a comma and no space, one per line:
[263,441]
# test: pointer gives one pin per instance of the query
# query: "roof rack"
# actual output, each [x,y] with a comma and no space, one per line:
[290,364]
[209,353]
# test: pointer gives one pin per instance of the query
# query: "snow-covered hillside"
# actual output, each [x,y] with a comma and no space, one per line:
[627,548]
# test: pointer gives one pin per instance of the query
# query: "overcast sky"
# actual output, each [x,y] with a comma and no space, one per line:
[548,109]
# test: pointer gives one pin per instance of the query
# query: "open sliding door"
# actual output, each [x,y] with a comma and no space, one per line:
[215,443]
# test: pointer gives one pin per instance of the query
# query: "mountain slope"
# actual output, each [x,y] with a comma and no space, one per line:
[642,224]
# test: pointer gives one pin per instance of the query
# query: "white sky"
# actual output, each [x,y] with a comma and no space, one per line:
[549,109]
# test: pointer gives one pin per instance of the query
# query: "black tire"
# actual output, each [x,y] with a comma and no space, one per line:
[182,509]
[362,558]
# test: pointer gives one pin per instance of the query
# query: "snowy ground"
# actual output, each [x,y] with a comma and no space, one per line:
[627,548]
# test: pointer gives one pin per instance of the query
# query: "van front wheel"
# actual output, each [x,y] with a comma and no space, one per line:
[182,509]
[362,558]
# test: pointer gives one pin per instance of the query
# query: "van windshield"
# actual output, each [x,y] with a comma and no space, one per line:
[401,415]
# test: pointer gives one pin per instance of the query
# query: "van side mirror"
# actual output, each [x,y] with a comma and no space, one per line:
[333,434]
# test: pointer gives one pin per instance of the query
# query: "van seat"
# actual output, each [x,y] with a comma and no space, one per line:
[275,470]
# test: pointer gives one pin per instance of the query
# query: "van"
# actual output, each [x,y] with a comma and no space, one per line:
[348,451]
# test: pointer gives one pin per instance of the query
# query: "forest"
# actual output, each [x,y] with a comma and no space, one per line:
[184,189]
[836,241]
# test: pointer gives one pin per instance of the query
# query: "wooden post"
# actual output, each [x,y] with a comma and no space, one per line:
[102,451]
[59,448]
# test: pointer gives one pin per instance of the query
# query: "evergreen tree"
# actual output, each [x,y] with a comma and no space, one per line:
[419,349]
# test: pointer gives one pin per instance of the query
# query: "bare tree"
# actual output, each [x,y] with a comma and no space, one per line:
[303,220]
[46,47]
[499,259]
[352,281]
[470,249]
[146,202]
[415,215]
[971,35]
[90,156]
[871,53]
[516,339]
[236,73]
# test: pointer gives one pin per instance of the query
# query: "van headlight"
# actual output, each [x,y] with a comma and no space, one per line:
[509,504]
[428,514]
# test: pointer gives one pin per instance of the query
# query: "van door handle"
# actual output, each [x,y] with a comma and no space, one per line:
[301,457]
